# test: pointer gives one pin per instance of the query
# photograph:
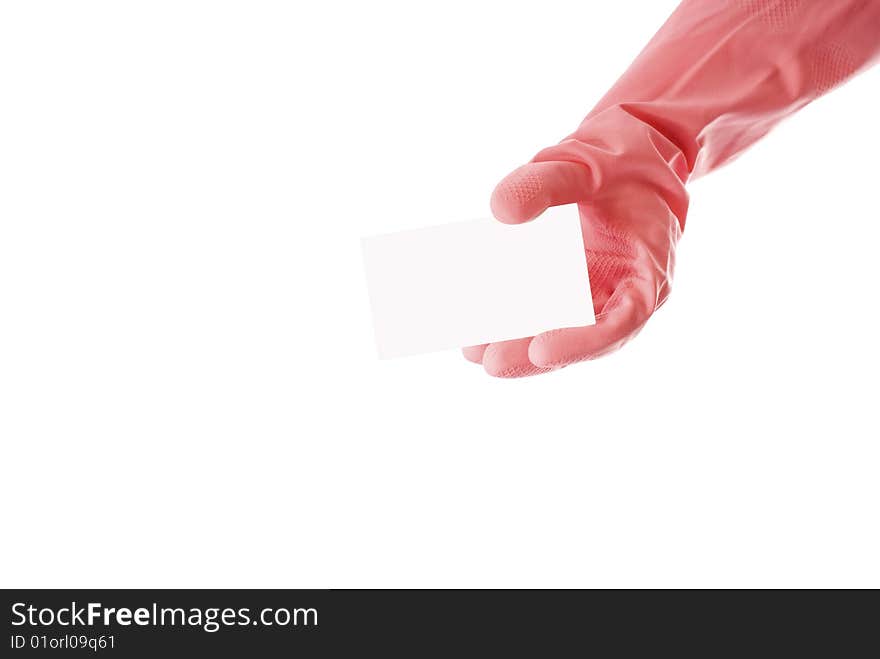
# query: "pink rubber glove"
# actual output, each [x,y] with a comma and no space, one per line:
[716,78]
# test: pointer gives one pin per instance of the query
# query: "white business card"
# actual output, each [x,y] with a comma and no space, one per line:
[468,283]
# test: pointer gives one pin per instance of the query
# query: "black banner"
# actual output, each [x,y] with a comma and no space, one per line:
[411,623]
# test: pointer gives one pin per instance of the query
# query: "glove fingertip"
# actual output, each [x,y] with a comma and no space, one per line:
[519,197]
[474,353]
[544,352]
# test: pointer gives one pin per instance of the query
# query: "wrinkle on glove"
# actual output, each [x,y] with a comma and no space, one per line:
[715,79]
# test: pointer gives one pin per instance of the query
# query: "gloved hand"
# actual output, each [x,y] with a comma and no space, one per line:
[628,181]
[715,79]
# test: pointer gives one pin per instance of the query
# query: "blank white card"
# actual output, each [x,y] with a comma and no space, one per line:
[468,283]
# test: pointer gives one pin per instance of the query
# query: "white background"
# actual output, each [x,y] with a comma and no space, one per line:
[189,390]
